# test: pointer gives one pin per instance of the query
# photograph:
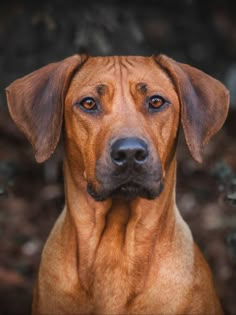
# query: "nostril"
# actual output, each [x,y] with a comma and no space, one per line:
[140,155]
[119,157]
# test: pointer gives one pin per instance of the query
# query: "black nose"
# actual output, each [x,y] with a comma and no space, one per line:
[129,152]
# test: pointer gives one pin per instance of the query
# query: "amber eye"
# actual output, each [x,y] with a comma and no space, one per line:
[88,104]
[156,102]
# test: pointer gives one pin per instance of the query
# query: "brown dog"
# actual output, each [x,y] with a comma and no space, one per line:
[120,245]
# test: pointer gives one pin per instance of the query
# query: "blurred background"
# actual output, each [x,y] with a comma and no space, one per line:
[33,34]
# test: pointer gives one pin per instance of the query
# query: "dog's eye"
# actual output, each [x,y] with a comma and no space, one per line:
[156,102]
[88,104]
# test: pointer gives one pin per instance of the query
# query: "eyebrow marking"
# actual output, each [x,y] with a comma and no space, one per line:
[101,89]
[142,87]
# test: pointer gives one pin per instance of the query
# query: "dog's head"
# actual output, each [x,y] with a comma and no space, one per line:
[121,116]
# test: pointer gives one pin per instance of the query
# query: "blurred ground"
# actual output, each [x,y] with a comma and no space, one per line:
[202,33]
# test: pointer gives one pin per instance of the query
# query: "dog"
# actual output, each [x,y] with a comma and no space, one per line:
[120,246]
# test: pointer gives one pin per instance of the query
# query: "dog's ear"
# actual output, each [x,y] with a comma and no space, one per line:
[204,103]
[36,103]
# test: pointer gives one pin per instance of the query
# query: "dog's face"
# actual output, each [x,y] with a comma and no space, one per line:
[121,122]
[121,118]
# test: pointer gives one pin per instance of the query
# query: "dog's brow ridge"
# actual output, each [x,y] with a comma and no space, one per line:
[101,89]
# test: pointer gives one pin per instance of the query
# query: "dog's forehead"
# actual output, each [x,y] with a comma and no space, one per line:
[98,70]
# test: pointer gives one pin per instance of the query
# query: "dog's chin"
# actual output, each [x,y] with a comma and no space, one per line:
[127,191]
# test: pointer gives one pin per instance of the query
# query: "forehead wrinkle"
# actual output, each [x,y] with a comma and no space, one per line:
[120,74]
[129,66]
[129,61]
[110,63]
[98,67]
[132,67]
[126,63]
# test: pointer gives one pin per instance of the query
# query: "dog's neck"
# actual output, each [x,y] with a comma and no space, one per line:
[133,230]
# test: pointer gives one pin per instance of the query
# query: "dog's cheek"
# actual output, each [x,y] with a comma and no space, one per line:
[167,135]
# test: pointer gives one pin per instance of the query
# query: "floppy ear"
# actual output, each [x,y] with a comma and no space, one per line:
[204,103]
[36,103]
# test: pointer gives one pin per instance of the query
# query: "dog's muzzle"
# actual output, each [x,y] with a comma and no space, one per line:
[128,171]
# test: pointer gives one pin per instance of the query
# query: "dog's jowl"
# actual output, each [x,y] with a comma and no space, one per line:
[120,246]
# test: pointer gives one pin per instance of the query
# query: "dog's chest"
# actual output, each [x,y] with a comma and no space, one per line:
[116,279]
